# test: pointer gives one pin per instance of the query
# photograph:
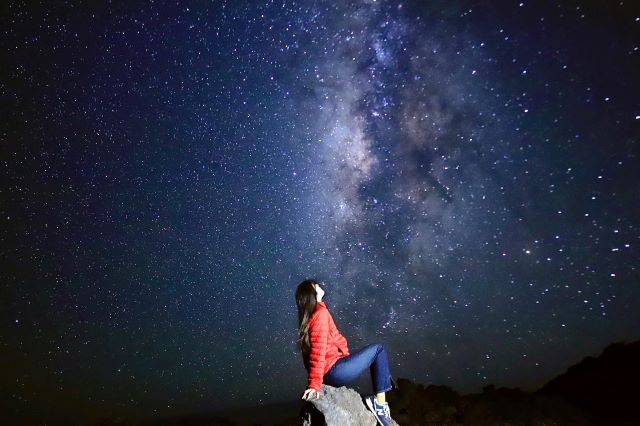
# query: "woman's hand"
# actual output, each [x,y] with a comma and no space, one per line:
[308,394]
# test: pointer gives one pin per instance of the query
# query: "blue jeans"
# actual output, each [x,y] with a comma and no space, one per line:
[346,370]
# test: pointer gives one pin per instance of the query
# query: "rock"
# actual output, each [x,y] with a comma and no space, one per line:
[341,406]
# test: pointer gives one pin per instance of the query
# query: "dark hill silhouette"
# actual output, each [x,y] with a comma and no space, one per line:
[606,386]
[595,392]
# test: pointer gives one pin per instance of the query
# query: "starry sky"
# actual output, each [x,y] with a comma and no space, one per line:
[461,176]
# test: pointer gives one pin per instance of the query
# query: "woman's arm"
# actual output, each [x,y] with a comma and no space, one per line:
[319,335]
[343,344]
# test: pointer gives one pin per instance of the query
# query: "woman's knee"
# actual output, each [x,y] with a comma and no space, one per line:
[377,347]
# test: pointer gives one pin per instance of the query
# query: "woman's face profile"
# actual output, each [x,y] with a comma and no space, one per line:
[319,292]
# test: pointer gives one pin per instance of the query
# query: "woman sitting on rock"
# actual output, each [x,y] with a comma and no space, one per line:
[326,354]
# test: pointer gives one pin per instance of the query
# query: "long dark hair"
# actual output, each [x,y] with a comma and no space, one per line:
[306,300]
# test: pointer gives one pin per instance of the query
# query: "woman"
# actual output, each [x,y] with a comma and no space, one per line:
[326,355]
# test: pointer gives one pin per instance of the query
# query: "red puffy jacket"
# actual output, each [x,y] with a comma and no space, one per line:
[327,345]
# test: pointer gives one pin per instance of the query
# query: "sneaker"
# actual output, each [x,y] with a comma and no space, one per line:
[381,411]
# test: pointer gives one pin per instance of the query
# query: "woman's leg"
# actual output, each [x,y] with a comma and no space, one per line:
[380,373]
[346,370]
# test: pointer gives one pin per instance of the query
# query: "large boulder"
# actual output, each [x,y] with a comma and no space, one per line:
[341,406]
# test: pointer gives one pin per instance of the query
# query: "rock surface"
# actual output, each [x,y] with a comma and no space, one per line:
[341,406]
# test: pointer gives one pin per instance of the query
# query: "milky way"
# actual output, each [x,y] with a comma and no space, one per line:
[462,178]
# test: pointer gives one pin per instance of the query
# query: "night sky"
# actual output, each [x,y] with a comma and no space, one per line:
[462,177]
